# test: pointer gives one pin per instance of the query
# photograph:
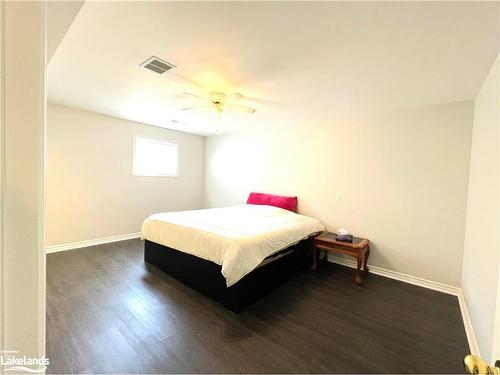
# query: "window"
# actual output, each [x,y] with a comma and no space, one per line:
[154,158]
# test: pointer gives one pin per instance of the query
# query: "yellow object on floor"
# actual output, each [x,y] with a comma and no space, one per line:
[475,365]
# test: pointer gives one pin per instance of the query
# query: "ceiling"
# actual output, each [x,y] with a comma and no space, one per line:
[314,60]
[60,16]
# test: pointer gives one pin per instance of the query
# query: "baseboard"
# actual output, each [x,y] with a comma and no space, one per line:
[448,289]
[444,288]
[469,330]
[87,243]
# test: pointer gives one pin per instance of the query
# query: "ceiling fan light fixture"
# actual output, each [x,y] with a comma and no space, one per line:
[218,104]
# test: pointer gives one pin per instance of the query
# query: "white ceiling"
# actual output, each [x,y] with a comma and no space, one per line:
[60,16]
[318,59]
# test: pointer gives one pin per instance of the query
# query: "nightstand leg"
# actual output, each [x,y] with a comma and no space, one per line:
[367,254]
[313,267]
[325,259]
[358,271]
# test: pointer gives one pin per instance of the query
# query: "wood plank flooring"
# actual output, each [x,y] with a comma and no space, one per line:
[109,312]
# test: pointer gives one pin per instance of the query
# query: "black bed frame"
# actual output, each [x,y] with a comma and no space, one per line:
[206,277]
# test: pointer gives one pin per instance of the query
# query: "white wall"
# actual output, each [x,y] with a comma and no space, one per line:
[402,177]
[482,241]
[22,118]
[91,192]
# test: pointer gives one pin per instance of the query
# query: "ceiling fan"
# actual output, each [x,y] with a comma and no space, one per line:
[219,102]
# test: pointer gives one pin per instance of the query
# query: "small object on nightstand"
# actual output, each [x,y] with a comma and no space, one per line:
[343,235]
[344,238]
[359,248]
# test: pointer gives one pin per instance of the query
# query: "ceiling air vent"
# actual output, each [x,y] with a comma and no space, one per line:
[157,65]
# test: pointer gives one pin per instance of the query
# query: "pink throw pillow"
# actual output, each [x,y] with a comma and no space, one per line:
[287,203]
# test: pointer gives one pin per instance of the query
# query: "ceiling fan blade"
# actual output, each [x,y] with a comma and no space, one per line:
[267,102]
[177,122]
[240,96]
[241,108]
[193,95]
[194,107]
[236,96]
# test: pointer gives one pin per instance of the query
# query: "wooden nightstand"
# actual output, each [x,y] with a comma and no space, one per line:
[359,249]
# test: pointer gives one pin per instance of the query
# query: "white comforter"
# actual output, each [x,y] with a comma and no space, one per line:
[238,238]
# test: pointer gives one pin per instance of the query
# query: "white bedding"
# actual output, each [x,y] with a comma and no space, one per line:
[238,238]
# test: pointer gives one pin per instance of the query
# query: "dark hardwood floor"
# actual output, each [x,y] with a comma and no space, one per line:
[109,312]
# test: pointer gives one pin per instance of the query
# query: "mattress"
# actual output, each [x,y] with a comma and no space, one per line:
[238,238]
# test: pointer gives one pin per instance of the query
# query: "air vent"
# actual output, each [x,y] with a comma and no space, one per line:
[157,65]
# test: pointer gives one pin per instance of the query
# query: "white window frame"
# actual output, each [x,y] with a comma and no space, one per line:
[135,174]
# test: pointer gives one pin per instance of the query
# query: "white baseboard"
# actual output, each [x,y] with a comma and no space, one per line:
[469,330]
[87,243]
[448,289]
[444,288]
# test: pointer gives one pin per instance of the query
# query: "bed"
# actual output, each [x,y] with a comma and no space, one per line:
[233,254]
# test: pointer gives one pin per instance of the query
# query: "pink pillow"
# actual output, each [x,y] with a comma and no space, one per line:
[288,203]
